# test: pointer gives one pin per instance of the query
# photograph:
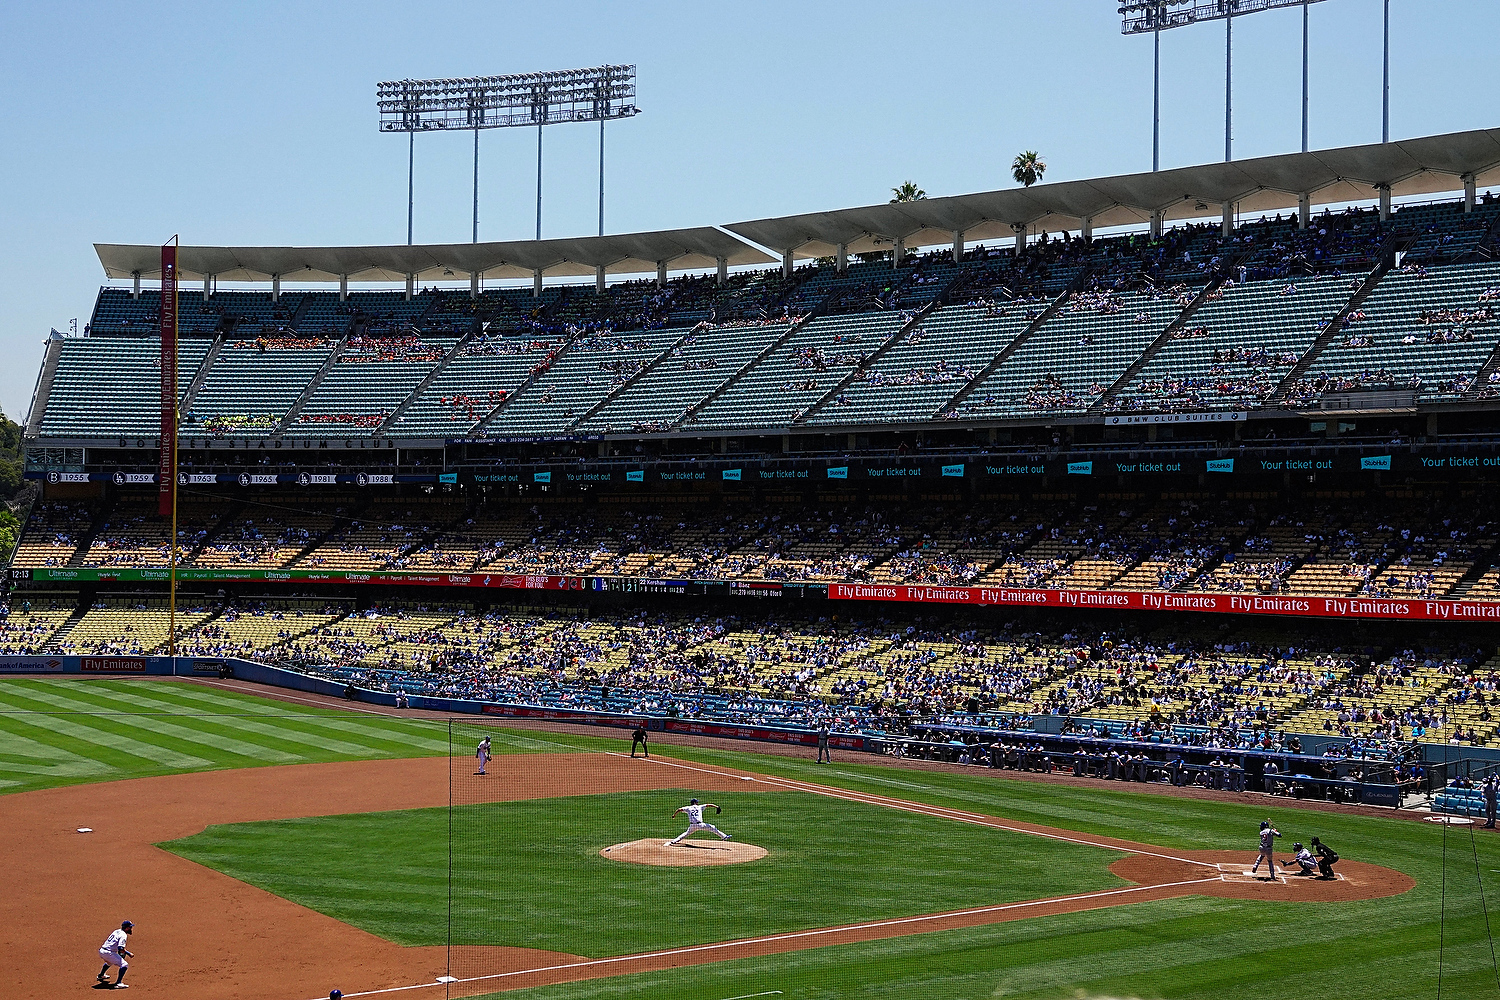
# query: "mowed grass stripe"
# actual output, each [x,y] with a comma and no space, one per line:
[303,731]
[13,744]
[382,734]
[74,747]
[190,731]
[111,732]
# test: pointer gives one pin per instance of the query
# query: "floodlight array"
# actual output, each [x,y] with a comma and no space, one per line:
[573,95]
[1153,15]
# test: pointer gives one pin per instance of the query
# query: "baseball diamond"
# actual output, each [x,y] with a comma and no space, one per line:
[327,860]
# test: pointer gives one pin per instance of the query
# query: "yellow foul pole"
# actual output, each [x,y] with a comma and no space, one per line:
[172,443]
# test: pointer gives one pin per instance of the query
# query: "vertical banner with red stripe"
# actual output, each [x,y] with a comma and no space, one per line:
[166,473]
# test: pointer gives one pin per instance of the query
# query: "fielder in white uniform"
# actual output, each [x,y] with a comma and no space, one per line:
[114,952]
[695,821]
[483,753]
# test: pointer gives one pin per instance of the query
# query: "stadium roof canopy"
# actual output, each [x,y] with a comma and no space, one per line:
[635,253]
[1428,165]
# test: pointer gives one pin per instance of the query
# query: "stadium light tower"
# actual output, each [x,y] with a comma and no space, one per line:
[521,99]
[1157,16]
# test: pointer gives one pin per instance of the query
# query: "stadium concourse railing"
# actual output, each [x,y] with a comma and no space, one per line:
[930,741]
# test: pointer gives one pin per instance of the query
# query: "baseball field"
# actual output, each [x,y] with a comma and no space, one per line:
[283,848]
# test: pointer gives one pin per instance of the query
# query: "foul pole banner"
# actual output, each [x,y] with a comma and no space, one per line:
[167,463]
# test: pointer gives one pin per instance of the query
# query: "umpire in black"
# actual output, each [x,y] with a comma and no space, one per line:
[1327,858]
[638,739]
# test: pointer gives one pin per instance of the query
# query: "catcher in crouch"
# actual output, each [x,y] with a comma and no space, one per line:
[695,821]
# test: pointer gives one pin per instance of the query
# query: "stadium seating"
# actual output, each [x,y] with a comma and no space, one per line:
[1423,329]
[1065,366]
[112,386]
[590,368]
[1235,349]
[812,361]
[252,384]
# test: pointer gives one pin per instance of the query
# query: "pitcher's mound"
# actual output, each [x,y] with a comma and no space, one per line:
[689,853]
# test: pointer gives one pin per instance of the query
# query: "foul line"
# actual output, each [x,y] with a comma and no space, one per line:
[922,809]
[794,936]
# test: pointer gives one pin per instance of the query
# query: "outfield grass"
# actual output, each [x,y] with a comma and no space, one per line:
[529,874]
[65,732]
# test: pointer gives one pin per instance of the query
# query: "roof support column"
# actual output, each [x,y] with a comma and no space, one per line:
[1020,232]
[411,287]
[786,264]
[1304,210]
[1157,219]
[1385,201]
[208,281]
[1228,221]
[899,252]
[136,290]
[1087,232]
[661,273]
[473,286]
[723,269]
[958,246]
[1470,190]
[599,279]
[536,284]
[275,287]
[343,288]
[841,259]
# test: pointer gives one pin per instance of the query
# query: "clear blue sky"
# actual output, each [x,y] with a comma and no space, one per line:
[256,123]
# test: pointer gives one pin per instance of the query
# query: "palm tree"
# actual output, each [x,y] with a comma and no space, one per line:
[908,191]
[1028,168]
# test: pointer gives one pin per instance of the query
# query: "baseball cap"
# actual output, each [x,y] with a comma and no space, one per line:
[126,923]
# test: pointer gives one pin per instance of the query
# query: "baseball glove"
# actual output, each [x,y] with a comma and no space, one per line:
[717,810]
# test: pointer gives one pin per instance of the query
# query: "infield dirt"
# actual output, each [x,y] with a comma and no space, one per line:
[205,936]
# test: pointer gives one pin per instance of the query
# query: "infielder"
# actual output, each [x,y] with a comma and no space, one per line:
[482,752]
[695,821]
[1303,859]
[114,952]
[1268,835]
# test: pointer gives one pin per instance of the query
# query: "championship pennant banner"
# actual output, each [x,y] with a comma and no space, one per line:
[167,460]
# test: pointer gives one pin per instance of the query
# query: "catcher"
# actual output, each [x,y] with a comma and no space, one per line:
[1303,861]
[694,813]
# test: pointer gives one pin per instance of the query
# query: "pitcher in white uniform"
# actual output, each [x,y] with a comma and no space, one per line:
[695,821]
